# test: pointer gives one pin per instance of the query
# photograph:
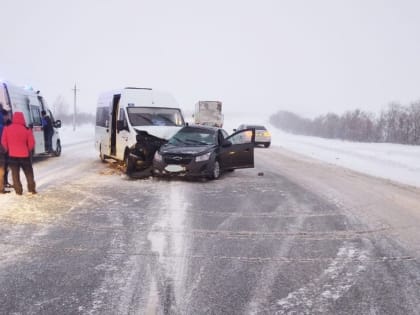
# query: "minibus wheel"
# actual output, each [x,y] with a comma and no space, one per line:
[129,164]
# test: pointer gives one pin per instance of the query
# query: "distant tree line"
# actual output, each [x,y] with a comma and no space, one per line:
[395,124]
[63,111]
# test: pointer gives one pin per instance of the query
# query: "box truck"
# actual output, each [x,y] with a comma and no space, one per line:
[208,113]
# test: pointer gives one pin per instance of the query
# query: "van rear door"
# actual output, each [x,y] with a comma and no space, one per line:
[35,122]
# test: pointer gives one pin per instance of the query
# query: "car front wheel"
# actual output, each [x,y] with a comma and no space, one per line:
[215,172]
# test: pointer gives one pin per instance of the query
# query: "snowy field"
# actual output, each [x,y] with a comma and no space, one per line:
[400,163]
[82,133]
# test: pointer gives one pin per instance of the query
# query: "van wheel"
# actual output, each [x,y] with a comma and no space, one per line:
[57,151]
[129,164]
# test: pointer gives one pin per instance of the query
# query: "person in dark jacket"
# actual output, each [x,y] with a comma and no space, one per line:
[19,142]
[3,156]
[6,121]
[48,131]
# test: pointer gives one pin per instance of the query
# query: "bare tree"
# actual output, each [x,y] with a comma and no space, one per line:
[414,114]
[63,111]
[61,107]
[397,124]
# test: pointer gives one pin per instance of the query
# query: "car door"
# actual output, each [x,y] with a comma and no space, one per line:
[237,150]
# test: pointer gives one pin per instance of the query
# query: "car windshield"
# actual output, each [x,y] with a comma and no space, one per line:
[154,116]
[191,136]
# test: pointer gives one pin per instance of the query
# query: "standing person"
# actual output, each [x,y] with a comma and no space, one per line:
[3,156]
[19,141]
[48,131]
[6,122]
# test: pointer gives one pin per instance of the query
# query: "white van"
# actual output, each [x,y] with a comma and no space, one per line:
[123,115]
[19,99]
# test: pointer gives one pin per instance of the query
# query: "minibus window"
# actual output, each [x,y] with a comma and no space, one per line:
[36,116]
[102,116]
[154,116]
[123,118]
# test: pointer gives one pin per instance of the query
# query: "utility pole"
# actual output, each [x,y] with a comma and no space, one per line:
[74,107]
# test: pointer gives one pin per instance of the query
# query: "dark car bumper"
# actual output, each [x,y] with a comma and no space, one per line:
[192,169]
[262,143]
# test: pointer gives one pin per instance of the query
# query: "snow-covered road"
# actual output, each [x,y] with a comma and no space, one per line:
[305,238]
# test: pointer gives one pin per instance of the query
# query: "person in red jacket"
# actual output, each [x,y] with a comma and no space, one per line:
[19,142]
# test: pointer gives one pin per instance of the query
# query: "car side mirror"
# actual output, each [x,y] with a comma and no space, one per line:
[57,123]
[226,143]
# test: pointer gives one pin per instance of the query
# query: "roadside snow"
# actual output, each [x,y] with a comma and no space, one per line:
[81,133]
[400,163]
[18,205]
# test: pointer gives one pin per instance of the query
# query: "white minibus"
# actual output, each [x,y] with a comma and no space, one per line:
[123,115]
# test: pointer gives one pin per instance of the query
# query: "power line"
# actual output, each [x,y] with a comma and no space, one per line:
[75,89]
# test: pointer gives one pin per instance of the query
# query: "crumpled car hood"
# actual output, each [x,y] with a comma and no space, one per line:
[193,150]
[163,132]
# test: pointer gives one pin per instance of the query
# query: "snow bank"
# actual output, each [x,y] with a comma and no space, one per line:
[80,134]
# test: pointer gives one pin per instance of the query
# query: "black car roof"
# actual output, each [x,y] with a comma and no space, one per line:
[202,127]
[256,127]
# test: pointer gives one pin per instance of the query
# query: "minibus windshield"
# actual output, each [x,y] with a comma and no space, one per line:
[155,116]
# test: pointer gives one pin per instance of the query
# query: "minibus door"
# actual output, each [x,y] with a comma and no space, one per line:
[36,124]
[114,113]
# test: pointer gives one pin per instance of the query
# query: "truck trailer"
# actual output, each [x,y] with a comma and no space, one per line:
[208,113]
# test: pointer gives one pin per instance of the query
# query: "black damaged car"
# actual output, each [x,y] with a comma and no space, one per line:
[203,151]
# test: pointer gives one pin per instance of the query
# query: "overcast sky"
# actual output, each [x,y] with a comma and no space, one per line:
[308,56]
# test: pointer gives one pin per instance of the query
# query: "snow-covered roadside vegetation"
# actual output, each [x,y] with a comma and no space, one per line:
[395,124]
